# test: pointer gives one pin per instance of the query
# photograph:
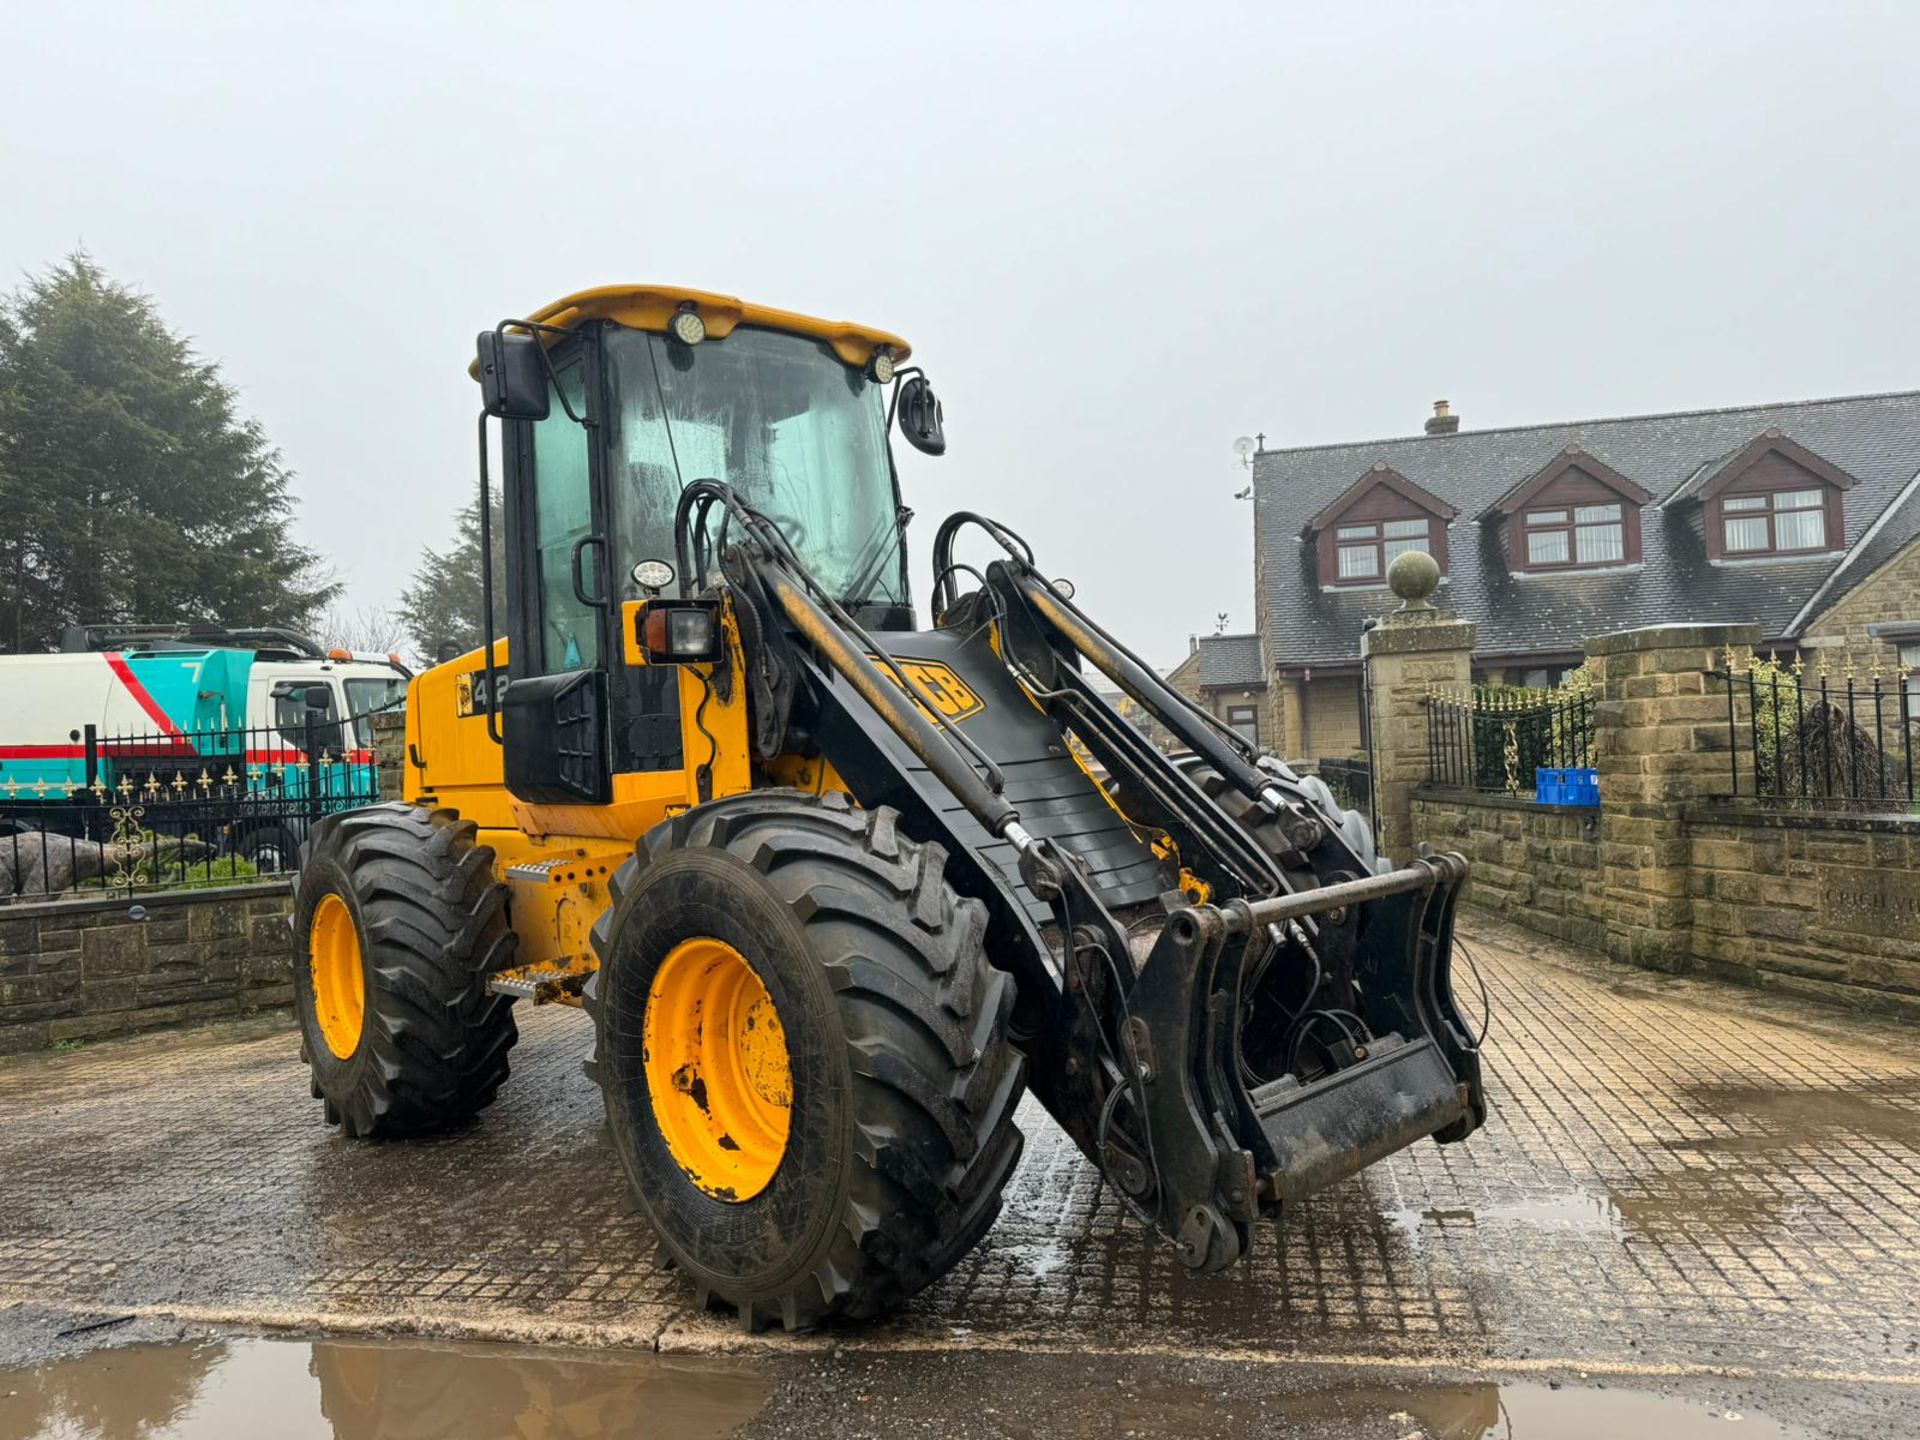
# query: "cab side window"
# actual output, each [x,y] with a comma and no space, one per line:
[562,517]
[300,704]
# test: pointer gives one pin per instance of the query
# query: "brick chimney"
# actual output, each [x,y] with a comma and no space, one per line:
[1443,421]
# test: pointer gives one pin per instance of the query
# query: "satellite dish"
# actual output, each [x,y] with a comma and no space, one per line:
[1243,447]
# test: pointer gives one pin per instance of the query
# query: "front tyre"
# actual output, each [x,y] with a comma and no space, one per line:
[804,1056]
[398,923]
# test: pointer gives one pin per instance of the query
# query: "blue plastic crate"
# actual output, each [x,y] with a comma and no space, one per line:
[1571,786]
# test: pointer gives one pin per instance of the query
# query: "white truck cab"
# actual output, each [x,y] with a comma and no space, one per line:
[280,697]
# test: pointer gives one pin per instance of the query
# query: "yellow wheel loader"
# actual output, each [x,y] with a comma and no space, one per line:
[834,889]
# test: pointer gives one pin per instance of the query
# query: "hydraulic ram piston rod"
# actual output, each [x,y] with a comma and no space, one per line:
[1424,874]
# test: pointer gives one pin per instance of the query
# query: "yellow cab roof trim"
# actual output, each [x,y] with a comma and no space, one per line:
[652,307]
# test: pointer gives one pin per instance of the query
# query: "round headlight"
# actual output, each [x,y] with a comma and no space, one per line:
[689,328]
[653,574]
[1064,588]
[880,367]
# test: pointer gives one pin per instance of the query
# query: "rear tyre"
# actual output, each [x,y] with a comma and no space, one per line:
[836,1168]
[398,923]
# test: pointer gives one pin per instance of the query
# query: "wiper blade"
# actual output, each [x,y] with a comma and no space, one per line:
[873,554]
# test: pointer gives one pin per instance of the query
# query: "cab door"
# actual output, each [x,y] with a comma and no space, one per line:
[554,707]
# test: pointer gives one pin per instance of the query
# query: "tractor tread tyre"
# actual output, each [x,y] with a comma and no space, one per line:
[902,1135]
[432,927]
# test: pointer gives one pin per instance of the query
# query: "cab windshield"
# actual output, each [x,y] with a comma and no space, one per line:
[782,419]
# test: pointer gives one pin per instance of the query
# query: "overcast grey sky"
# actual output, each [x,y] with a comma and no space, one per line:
[1117,236]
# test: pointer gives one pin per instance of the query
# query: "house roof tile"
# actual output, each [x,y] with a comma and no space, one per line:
[1227,660]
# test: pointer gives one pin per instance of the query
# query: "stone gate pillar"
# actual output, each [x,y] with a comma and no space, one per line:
[1410,653]
[390,752]
[1660,740]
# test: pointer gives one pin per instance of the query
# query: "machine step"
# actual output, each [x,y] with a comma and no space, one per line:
[540,872]
[542,984]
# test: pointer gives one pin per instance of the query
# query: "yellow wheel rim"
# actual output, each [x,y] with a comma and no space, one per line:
[717,1069]
[339,978]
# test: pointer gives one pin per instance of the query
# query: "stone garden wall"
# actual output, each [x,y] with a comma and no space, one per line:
[1668,872]
[1824,905]
[1537,865]
[73,970]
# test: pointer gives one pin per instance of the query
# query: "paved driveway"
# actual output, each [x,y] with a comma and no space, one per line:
[1677,1179]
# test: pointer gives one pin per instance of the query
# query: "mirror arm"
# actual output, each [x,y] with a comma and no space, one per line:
[893,401]
[486,584]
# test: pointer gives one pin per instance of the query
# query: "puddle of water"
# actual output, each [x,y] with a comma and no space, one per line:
[1733,1186]
[1773,1120]
[1527,1412]
[1575,1211]
[343,1390]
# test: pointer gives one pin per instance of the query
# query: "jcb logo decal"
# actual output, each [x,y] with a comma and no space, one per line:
[939,689]
[470,691]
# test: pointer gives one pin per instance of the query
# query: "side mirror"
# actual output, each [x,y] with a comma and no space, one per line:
[920,417]
[319,698]
[513,382]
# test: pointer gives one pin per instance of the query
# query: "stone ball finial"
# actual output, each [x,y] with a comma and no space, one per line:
[1413,577]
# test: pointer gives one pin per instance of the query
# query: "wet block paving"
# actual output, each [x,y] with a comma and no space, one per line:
[1677,1177]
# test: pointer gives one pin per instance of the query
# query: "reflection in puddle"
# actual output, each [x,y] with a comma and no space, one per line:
[1732,1183]
[343,1390]
[1521,1412]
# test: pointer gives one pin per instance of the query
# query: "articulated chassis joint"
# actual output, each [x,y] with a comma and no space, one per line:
[1214,1155]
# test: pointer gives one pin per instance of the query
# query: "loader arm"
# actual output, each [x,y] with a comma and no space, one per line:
[1133,1002]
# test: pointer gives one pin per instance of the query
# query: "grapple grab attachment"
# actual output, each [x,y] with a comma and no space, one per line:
[1214,1151]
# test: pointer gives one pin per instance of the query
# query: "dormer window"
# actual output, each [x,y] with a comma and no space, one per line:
[1575,513]
[1772,497]
[1775,524]
[1379,518]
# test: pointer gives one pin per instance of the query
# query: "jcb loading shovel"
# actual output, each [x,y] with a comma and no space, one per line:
[834,889]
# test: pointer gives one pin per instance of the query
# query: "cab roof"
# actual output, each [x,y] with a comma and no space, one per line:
[652,307]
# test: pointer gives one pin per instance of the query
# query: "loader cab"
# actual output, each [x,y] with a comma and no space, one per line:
[635,395]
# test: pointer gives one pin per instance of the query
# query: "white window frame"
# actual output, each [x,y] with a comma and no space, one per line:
[1575,528]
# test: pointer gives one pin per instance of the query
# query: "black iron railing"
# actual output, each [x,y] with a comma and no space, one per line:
[1495,738]
[123,813]
[1351,781]
[1803,737]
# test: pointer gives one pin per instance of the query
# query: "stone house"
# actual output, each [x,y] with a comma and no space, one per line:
[1802,518]
[1223,673]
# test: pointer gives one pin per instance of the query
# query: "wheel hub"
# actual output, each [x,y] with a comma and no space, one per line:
[717,1067]
[339,976]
